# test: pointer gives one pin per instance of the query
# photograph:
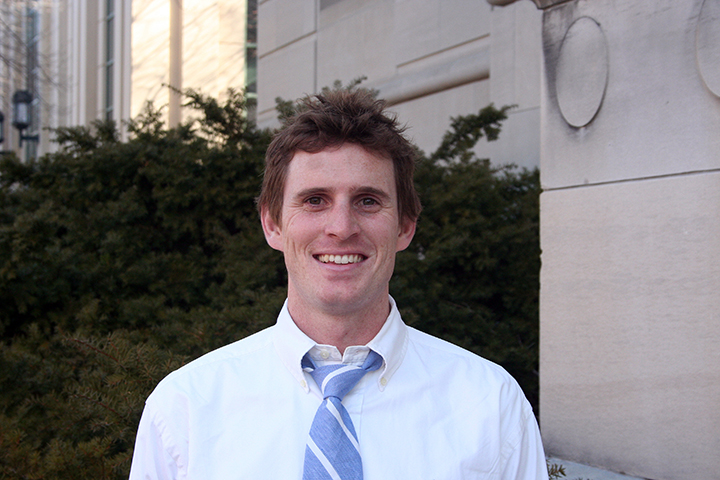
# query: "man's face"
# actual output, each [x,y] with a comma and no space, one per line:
[340,230]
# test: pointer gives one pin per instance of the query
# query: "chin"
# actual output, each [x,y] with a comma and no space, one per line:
[340,304]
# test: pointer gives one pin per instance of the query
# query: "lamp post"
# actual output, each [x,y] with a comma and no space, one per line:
[21,101]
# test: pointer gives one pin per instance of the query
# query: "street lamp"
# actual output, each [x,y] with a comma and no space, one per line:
[21,100]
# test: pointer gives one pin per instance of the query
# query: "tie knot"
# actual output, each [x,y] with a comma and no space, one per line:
[338,379]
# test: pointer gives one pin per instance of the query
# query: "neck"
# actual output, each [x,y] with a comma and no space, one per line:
[340,329]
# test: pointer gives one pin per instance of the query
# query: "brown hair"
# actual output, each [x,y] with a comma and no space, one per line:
[332,119]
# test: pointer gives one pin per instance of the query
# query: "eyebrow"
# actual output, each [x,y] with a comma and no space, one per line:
[374,191]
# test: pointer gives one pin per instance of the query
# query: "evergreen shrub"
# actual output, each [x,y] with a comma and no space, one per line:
[121,260]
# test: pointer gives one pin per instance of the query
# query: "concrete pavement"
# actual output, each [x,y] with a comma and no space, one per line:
[575,471]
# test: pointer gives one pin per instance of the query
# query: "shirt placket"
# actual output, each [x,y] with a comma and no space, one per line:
[355,400]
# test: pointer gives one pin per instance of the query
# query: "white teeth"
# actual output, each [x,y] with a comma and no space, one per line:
[340,259]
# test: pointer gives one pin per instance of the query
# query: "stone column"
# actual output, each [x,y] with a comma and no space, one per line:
[630,234]
[175,62]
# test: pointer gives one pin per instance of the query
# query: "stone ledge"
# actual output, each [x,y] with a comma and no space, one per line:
[541,4]
[445,72]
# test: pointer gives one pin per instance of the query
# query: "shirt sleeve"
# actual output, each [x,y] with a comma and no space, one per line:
[152,457]
[526,460]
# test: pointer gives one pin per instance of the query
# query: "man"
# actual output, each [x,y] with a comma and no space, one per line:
[338,201]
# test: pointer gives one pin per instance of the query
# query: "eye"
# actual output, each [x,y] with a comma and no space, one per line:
[368,202]
[314,201]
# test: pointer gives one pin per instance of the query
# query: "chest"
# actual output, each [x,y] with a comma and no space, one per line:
[403,433]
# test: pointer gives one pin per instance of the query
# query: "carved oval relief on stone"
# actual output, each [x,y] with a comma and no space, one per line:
[707,44]
[582,72]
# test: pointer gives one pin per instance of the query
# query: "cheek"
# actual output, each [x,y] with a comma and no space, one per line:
[299,231]
[387,240]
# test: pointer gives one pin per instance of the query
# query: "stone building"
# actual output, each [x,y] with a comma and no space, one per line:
[430,59]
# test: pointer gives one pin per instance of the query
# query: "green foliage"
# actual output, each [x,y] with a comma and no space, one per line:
[555,471]
[471,274]
[121,260]
[465,131]
[106,234]
[117,261]
[70,406]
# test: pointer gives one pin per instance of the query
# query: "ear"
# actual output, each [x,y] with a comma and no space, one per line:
[272,231]
[407,232]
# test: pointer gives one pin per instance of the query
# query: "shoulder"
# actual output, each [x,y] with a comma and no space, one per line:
[443,352]
[460,369]
[475,383]
[197,380]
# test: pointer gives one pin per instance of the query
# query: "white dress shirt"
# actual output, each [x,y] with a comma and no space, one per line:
[432,411]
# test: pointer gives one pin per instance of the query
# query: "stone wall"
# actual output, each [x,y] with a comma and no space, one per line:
[430,59]
[630,232]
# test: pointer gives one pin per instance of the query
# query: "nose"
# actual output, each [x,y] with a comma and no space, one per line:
[341,222]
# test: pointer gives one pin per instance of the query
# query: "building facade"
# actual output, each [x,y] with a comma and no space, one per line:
[630,228]
[430,59]
[86,60]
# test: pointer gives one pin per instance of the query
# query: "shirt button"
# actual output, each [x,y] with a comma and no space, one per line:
[304,384]
[383,381]
[324,354]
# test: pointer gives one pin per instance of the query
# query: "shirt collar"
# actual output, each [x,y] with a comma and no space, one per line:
[391,343]
[292,344]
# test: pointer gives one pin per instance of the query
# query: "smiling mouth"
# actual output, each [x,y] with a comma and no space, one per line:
[340,259]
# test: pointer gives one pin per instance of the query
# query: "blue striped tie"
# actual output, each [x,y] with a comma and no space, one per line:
[332,449]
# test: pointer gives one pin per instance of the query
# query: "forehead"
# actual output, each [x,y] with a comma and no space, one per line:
[346,166]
